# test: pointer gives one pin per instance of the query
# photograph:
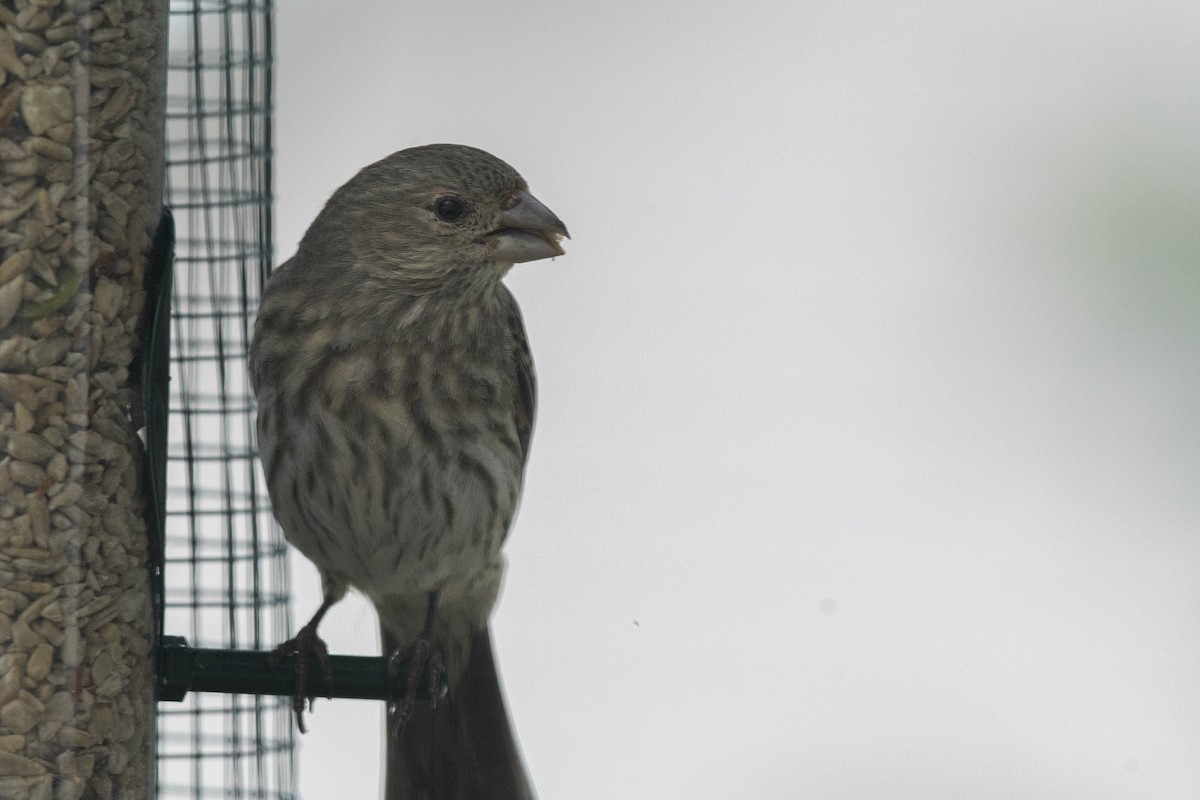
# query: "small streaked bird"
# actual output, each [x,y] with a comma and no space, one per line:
[396,399]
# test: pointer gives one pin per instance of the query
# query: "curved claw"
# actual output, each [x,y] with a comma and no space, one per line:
[304,646]
[422,656]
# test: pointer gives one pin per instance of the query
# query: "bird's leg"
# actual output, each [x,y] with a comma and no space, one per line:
[304,645]
[421,655]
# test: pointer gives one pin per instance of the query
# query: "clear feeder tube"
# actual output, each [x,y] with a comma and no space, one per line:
[81,86]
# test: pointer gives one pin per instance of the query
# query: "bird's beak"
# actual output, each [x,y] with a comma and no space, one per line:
[526,230]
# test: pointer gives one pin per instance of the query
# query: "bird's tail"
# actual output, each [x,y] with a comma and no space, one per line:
[464,749]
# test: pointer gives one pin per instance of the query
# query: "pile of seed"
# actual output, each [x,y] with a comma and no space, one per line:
[80,175]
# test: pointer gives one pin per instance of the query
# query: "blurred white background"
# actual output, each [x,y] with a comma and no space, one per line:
[868,451]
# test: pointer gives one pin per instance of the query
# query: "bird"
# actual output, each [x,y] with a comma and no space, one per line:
[396,396]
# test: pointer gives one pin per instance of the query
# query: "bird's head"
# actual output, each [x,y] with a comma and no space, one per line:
[442,217]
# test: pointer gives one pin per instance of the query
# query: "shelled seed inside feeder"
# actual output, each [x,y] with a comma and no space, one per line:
[80,172]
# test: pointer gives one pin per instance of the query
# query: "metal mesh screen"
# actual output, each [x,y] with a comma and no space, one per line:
[226,582]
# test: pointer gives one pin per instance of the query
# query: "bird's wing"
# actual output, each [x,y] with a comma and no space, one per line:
[526,400]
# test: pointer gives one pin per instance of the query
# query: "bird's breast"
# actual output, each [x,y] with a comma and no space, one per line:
[405,466]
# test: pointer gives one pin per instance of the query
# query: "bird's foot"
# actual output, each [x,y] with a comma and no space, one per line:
[304,646]
[421,656]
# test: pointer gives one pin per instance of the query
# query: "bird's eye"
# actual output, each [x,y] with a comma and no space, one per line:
[449,208]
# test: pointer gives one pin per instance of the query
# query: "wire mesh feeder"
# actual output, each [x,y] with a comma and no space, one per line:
[225,568]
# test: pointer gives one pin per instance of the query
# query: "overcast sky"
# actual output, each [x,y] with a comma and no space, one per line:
[867,462]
